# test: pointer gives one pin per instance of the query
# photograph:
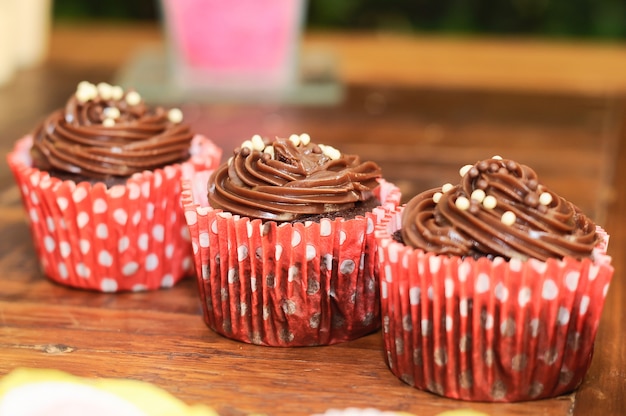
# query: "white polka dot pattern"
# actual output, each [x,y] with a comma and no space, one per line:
[296,271]
[87,236]
[520,330]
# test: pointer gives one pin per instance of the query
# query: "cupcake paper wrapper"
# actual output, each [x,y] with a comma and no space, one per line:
[485,330]
[127,237]
[285,284]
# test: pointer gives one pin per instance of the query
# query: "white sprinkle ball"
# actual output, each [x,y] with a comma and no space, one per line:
[108,122]
[478,195]
[133,98]
[446,187]
[496,157]
[247,143]
[437,197]
[86,91]
[545,198]
[230,160]
[295,139]
[462,203]
[175,115]
[269,150]
[83,96]
[111,112]
[84,84]
[104,90]
[508,218]
[490,202]
[331,152]
[117,92]
[257,142]
[465,169]
[305,139]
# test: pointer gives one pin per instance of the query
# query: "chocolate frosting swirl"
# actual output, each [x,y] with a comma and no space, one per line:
[498,209]
[289,179]
[106,132]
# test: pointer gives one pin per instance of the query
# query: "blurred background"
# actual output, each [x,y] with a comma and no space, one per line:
[593,19]
[419,86]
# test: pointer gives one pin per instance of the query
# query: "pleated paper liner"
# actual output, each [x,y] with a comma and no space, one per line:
[365,411]
[289,284]
[481,330]
[127,237]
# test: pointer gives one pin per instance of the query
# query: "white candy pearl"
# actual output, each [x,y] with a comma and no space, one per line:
[465,169]
[83,96]
[305,139]
[108,122]
[84,84]
[104,90]
[446,187]
[331,152]
[117,92]
[462,203]
[175,115]
[295,139]
[133,98]
[508,218]
[270,151]
[478,195]
[86,91]
[545,198]
[490,202]
[257,143]
[437,197]
[247,143]
[111,112]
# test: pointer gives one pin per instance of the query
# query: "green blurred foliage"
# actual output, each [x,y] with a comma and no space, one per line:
[109,9]
[562,18]
[604,19]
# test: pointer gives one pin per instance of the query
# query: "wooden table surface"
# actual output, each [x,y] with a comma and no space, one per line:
[420,119]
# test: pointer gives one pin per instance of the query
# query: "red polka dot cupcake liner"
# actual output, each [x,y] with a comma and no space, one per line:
[285,285]
[483,330]
[128,237]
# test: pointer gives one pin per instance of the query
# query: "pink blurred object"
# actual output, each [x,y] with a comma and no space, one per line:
[243,44]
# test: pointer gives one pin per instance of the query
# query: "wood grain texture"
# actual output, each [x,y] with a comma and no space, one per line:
[419,135]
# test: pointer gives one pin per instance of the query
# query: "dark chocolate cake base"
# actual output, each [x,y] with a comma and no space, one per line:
[397,236]
[108,181]
[359,209]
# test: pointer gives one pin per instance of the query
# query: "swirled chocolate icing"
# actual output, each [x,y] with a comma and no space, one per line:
[105,132]
[498,209]
[289,179]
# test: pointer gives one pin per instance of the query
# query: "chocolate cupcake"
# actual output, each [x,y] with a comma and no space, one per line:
[492,289]
[284,245]
[100,180]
